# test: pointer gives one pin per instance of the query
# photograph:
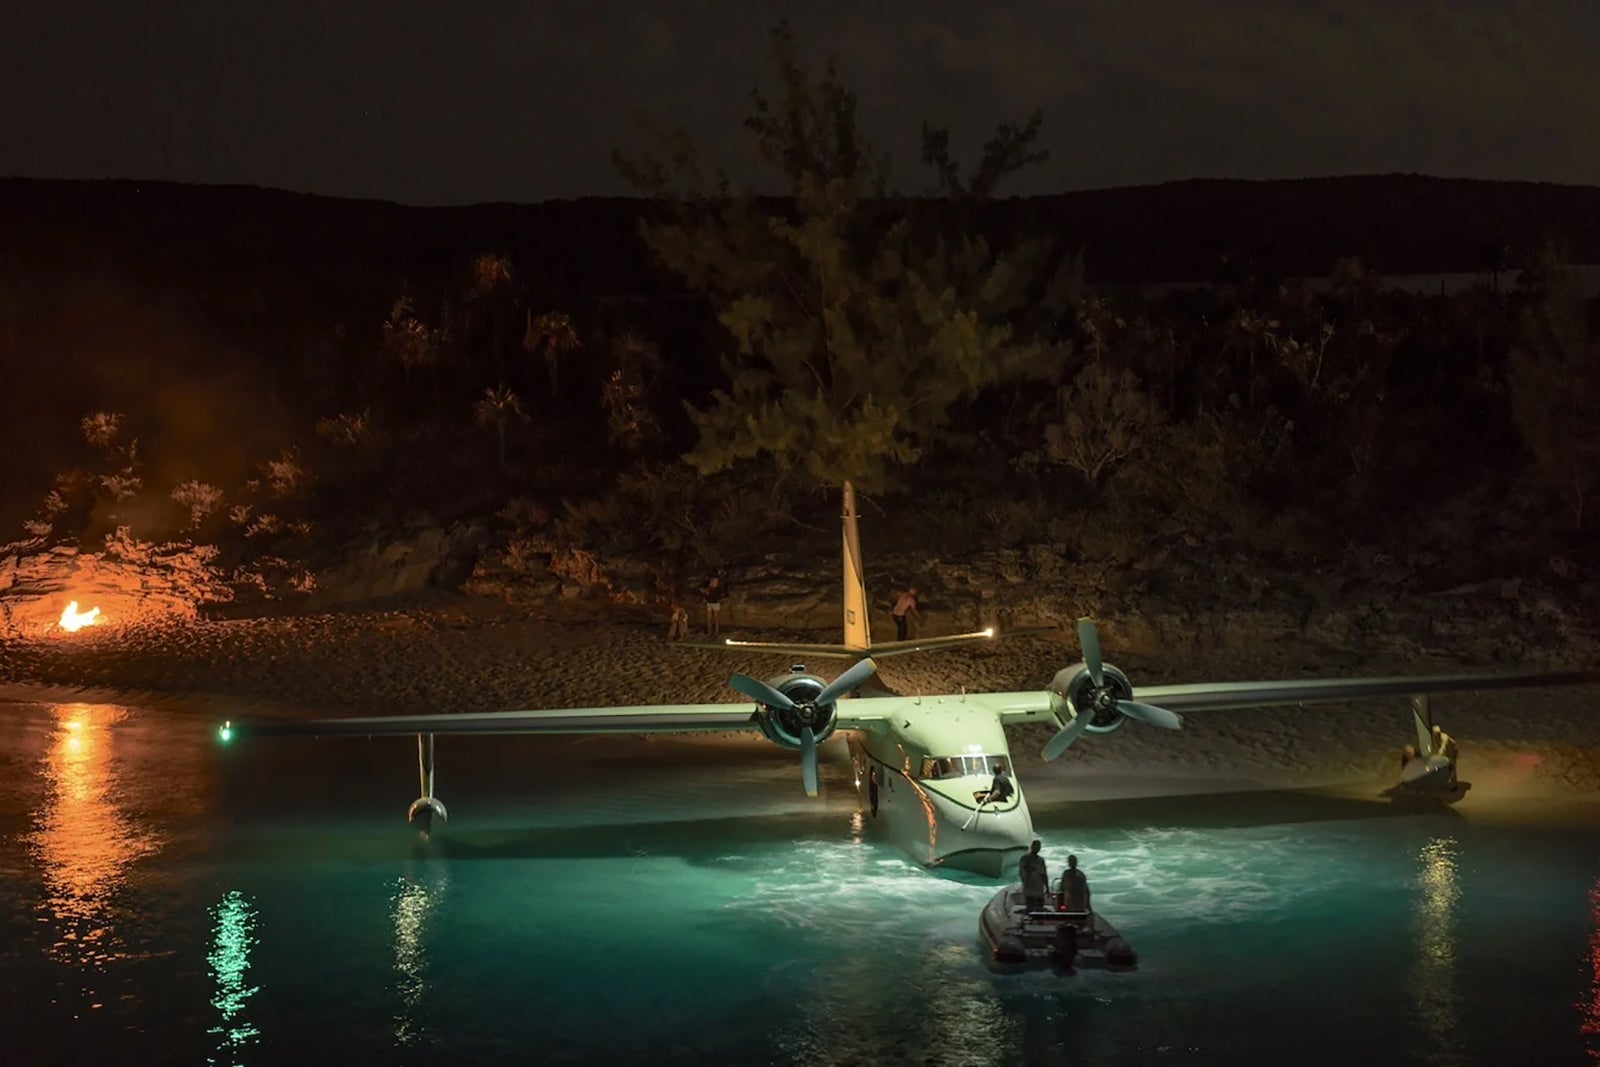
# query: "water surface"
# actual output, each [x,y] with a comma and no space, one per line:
[168,900]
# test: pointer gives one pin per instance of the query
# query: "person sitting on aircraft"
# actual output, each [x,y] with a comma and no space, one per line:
[999,790]
[1407,754]
[1074,893]
[1035,878]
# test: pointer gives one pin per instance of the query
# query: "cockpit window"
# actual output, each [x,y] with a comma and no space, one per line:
[959,766]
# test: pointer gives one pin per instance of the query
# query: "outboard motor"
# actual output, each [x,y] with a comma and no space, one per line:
[1065,947]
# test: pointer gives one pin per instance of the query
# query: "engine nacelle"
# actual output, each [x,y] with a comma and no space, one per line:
[783,725]
[1074,693]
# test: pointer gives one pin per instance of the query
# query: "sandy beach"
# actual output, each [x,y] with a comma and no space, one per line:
[463,654]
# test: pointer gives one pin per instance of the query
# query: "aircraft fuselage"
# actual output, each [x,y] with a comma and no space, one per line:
[925,770]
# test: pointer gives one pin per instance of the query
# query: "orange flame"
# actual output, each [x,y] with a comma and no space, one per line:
[73,620]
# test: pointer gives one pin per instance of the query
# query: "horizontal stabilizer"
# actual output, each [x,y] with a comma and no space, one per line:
[783,647]
[884,648]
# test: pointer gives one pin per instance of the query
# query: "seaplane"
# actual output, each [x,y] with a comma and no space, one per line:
[926,766]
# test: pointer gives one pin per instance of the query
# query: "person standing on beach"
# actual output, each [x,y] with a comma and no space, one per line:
[905,605]
[713,592]
[678,626]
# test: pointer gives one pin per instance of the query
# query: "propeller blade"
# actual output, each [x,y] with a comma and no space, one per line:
[760,692]
[1167,720]
[847,681]
[1064,737]
[808,760]
[1089,643]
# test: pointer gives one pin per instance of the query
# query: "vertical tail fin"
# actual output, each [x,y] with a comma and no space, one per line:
[857,630]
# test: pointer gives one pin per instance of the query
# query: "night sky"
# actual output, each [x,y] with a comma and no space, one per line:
[435,102]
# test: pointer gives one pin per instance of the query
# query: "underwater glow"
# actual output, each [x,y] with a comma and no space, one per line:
[229,959]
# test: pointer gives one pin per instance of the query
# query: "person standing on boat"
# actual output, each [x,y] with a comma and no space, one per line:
[1035,879]
[1074,888]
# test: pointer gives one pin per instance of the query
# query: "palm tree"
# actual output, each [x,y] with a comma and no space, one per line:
[497,408]
[493,287]
[553,334]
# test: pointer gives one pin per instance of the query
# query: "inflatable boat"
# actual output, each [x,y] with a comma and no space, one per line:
[1016,937]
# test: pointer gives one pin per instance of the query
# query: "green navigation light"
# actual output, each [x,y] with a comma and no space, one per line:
[225,732]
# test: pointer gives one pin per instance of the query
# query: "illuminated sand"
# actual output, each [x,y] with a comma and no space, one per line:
[473,656]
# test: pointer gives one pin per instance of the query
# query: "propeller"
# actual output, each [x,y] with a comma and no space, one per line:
[806,712]
[1065,736]
[1101,697]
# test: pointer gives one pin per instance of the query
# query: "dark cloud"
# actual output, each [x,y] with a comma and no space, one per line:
[430,102]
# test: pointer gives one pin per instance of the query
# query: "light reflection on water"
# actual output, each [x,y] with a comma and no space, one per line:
[233,936]
[83,842]
[1433,978]
[416,896]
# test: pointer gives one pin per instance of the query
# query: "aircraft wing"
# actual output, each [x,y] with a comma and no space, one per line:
[1035,705]
[640,719]
[1010,708]
[1214,696]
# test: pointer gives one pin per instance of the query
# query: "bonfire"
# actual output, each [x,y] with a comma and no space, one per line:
[73,620]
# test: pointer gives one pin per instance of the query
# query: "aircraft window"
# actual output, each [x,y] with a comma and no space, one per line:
[958,766]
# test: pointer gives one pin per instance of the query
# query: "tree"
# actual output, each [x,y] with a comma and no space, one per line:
[1105,417]
[553,335]
[630,424]
[498,407]
[493,289]
[1555,392]
[854,321]
[412,342]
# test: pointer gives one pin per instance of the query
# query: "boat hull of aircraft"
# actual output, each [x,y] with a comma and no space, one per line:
[937,823]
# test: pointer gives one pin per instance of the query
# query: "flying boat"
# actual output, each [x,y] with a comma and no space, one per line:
[924,765]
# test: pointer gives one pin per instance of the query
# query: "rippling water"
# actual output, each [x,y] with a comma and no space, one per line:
[674,902]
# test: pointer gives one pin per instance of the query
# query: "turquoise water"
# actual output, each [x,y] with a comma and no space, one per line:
[590,901]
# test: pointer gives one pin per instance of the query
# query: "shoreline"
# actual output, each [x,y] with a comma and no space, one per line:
[1537,745]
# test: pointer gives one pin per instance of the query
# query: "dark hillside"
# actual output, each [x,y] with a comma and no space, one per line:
[585,248]
[237,332]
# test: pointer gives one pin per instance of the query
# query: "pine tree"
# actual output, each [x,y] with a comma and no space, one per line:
[856,320]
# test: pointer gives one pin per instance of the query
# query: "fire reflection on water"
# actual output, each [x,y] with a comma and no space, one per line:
[1433,978]
[82,841]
